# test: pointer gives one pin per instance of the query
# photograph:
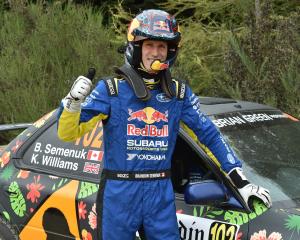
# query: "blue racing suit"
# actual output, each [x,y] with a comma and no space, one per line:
[139,136]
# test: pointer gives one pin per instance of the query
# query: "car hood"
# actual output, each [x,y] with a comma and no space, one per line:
[293,208]
[290,207]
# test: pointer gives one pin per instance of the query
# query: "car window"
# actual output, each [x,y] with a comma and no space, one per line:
[268,144]
[80,160]
[187,165]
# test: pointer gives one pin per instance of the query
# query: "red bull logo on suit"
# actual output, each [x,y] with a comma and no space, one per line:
[148,130]
[148,115]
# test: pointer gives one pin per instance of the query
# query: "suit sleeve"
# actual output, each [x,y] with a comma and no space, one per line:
[207,133]
[95,108]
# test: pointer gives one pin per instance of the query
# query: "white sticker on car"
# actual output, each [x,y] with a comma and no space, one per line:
[197,228]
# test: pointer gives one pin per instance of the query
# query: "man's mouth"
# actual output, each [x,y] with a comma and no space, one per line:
[153,59]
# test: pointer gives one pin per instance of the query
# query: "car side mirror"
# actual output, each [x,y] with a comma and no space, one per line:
[210,192]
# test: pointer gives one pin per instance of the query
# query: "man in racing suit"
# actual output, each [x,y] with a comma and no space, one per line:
[141,111]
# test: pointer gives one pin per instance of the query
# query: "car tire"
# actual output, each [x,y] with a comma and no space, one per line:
[7,231]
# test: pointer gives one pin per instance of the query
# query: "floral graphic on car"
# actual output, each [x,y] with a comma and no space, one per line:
[34,189]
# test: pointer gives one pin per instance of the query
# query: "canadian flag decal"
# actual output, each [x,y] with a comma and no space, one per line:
[95,155]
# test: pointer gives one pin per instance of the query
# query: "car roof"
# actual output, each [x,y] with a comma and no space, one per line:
[14,126]
[214,105]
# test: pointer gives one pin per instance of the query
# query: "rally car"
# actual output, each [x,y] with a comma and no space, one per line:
[49,187]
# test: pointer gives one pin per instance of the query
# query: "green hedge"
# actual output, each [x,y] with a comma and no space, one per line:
[42,51]
[230,48]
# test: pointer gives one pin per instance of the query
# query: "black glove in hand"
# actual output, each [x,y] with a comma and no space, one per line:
[248,190]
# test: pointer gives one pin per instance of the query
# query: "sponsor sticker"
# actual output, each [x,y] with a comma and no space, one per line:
[194,100]
[147,131]
[162,97]
[65,159]
[95,155]
[91,168]
[134,156]
[161,26]
[147,145]
[148,115]
[230,158]
[111,86]
[55,157]
[88,100]
[251,118]
[191,227]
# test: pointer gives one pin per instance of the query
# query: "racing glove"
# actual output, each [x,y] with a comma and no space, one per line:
[247,190]
[79,91]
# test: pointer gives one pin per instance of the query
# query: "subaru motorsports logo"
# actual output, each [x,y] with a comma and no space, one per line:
[162,97]
[147,145]
[131,156]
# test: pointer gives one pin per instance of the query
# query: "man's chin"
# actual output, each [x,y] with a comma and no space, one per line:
[152,72]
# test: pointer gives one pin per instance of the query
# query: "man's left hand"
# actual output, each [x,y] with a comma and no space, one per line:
[248,190]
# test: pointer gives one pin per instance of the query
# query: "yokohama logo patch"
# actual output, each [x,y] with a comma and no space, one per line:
[132,156]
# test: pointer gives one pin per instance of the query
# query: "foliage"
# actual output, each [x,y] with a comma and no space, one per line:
[205,31]
[42,50]
[250,54]
[263,64]
[207,12]
[230,48]
[200,58]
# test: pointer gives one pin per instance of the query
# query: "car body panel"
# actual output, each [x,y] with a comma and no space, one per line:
[34,192]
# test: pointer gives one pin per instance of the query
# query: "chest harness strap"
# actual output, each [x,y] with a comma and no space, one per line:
[138,85]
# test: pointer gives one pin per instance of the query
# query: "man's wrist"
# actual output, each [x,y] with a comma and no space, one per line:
[71,105]
[238,178]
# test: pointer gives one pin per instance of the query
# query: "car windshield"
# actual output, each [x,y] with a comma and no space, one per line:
[270,151]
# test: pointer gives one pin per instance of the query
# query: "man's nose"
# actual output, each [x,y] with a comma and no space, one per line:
[155,51]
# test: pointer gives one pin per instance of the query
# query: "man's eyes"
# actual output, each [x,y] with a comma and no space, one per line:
[151,45]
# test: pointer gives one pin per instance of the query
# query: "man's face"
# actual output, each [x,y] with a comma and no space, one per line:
[153,50]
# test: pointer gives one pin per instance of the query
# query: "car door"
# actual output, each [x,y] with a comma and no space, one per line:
[218,219]
[57,183]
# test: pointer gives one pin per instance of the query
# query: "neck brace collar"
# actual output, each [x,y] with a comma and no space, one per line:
[135,79]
